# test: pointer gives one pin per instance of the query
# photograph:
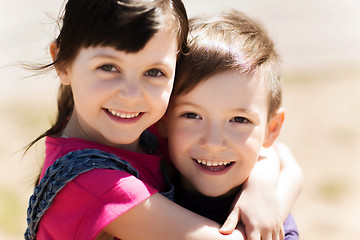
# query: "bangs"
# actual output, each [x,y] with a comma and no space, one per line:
[126,27]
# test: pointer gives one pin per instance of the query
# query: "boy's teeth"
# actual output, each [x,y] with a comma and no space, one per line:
[212,163]
[123,115]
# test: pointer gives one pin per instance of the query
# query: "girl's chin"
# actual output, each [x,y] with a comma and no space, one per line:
[129,143]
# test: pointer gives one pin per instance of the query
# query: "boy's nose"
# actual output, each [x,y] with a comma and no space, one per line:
[213,139]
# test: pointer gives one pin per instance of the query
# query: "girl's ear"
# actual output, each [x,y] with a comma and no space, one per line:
[274,127]
[61,71]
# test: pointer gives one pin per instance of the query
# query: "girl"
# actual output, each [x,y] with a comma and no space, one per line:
[116,63]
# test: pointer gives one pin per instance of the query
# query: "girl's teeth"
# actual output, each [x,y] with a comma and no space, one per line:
[212,164]
[123,115]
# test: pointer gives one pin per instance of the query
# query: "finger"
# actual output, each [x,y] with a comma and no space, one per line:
[266,236]
[276,235]
[282,233]
[231,222]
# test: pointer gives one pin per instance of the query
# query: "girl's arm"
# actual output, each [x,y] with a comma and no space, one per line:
[268,195]
[159,218]
[291,179]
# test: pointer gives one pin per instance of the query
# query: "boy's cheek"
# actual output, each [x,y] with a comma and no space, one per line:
[179,137]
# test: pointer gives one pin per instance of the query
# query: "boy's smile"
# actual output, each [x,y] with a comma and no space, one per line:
[217,130]
[214,167]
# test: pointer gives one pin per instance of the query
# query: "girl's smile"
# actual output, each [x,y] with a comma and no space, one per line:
[122,117]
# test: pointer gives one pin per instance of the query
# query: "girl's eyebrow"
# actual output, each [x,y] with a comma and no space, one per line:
[164,62]
[104,55]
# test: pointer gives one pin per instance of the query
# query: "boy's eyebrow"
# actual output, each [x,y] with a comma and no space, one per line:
[247,111]
[244,110]
[184,102]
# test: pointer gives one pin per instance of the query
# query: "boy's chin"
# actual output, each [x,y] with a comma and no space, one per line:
[208,190]
[212,192]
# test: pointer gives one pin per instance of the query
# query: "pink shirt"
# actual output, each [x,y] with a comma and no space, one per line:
[95,198]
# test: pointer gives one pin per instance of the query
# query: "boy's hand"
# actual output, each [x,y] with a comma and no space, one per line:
[257,206]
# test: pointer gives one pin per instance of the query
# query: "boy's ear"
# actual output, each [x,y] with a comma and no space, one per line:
[61,71]
[274,127]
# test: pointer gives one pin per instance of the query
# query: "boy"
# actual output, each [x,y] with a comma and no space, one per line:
[224,109]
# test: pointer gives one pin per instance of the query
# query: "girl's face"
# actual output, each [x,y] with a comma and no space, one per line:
[217,130]
[118,95]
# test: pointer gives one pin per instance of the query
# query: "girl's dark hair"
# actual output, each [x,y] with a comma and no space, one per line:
[126,25]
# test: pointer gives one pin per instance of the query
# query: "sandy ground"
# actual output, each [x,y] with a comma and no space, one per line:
[319,43]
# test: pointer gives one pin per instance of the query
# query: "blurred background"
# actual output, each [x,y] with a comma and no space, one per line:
[319,43]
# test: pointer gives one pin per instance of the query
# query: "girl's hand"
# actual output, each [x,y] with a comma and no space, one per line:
[258,206]
[261,218]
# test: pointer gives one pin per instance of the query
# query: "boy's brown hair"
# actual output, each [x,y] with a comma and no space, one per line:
[229,41]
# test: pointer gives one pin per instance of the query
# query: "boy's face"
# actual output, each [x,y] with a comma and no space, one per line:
[217,130]
[117,94]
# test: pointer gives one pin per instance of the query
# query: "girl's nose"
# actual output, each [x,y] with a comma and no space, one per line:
[131,91]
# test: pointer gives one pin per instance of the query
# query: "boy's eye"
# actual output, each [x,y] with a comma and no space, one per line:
[108,68]
[240,120]
[154,73]
[191,115]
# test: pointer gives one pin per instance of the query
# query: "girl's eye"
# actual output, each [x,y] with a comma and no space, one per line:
[154,73]
[240,120]
[108,68]
[191,115]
